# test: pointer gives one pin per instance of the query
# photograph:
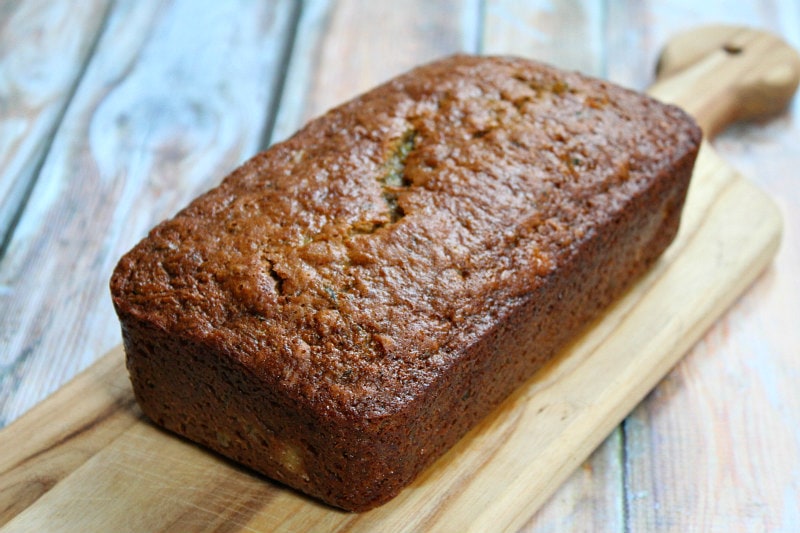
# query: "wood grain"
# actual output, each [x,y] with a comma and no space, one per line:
[699,450]
[735,393]
[759,70]
[46,446]
[35,89]
[171,101]
[508,465]
[569,34]
[332,63]
[492,479]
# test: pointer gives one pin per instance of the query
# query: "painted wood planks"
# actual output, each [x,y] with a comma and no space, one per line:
[714,447]
[651,475]
[35,88]
[346,47]
[176,95]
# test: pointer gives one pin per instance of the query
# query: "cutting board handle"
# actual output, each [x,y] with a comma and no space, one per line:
[723,74]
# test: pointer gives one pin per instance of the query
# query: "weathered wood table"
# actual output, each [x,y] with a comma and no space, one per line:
[113,114]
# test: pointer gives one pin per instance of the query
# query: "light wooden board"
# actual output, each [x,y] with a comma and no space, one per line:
[103,467]
[641,495]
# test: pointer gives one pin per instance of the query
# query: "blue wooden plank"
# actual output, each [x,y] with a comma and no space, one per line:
[177,94]
[44,46]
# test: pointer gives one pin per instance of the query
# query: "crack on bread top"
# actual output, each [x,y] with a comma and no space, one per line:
[369,248]
[395,180]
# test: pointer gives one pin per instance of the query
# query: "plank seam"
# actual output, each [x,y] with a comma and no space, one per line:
[283,71]
[8,234]
[626,524]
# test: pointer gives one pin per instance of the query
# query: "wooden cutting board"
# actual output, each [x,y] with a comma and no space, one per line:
[86,460]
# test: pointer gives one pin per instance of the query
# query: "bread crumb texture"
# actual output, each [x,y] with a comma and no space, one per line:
[372,237]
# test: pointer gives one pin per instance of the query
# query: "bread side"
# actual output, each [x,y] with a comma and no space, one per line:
[347,304]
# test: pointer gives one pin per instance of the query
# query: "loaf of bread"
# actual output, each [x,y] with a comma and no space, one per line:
[347,304]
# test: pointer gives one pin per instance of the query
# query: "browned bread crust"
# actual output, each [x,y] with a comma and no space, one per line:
[346,305]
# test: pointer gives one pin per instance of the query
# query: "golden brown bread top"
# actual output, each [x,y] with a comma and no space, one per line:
[351,264]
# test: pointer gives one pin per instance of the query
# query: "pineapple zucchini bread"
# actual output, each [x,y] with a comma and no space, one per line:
[344,306]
